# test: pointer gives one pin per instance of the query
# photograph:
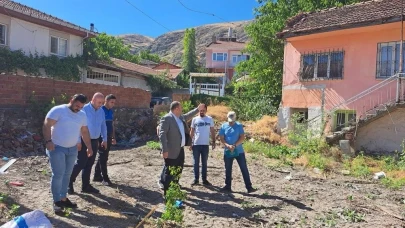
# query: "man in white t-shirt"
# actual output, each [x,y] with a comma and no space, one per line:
[201,128]
[63,126]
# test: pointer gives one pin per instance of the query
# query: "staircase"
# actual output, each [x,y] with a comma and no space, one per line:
[371,104]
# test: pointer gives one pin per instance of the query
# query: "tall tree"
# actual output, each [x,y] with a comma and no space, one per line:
[105,46]
[266,51]
[189,62]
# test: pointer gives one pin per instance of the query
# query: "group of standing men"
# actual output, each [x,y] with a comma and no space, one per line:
[74,133]
[174,135]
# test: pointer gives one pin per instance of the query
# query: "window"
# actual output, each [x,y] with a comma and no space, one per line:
[388,58]
[302,116]
[343,118]
[238,58]
[328,65]
[220,57]
[3,29]
[102,76]
[59,46]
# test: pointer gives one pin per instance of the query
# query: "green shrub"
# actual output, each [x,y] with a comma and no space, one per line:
[252,108]
[208,99]
[187,106]
[319,161]
[153,145]
[393,184]
[173,194]
[359,167]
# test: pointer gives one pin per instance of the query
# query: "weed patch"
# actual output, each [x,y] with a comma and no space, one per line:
[153,145]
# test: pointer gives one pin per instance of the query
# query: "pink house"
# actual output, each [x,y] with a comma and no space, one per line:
[223,53]
[341,70]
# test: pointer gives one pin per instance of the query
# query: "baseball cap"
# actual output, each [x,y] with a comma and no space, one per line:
[231,116]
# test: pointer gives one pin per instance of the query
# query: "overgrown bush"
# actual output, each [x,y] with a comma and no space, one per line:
[187,106]
[252,108]
[208,99]
[43,107]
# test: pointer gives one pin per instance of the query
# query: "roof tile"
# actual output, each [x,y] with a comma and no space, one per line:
[349,16]
[20,8]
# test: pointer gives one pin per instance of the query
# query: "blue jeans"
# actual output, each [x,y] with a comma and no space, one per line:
[200,150]
[62,160]
[241,159]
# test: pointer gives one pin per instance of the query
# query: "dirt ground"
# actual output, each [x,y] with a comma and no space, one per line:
[307,199]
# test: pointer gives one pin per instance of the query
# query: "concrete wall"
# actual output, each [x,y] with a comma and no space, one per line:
[385,134]
[33,38]
[134,82]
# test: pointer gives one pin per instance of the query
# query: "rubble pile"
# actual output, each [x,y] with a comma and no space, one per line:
[20,143]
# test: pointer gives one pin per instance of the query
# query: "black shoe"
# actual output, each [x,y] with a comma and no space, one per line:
[71,190]
[226,189]
[90,189]
[107,182]
[97,179]
[206,183]
[195,182]
[251,190]
[68,204]
[58,207]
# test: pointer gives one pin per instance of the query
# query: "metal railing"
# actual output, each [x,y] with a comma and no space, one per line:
[373,99]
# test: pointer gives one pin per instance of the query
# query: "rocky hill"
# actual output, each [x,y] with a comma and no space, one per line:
[170,45]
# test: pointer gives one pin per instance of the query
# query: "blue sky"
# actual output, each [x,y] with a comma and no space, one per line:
[119,17]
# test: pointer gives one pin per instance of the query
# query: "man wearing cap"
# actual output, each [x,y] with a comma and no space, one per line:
[232,136]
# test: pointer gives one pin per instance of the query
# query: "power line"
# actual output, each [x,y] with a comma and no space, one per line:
[147,15]
[210,14]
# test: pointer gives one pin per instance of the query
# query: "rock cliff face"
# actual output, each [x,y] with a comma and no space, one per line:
[170,45]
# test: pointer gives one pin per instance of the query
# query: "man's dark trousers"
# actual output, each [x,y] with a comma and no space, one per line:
[100,171]
[84,164]
[168,177]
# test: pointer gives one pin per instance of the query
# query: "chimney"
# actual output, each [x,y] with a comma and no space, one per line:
[230,32]
[214,38]
[91,27]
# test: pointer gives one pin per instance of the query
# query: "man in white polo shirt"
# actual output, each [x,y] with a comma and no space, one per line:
[201,128]
[62,129]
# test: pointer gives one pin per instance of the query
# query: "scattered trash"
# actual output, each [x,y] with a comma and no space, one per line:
[35,218]
[252,140]
[289,177]
[179,203]
[317,170]
[127,213]
[379,175]
[23,136]
[16,183]
[235,215]
[7,165]
[345,172]
[5,159]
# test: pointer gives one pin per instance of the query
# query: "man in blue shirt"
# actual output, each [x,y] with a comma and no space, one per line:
[96,124]
[232,136]
[100,171]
